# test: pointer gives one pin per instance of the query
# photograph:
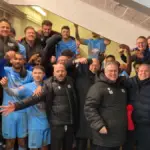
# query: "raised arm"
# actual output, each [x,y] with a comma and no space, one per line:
[28,101]
[82,41]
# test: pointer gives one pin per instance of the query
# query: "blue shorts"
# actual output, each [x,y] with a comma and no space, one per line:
[15,125]
[39,138]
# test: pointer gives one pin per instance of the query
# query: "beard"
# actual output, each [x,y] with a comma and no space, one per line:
[17,66]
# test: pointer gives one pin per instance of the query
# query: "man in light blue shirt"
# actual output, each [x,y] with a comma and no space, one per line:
[15,125]
[95,45]
[38,126]
[66,43]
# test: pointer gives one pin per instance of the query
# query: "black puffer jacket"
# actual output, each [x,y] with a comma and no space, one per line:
[106,106]
[139,97]
[60,101]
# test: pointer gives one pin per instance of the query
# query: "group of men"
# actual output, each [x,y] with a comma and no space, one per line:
[59,100]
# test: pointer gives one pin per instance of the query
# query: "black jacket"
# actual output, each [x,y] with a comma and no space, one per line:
[139,97]
[36,48]
[60,101]
[84,78]
[7,44]
[106,106]
[47,53]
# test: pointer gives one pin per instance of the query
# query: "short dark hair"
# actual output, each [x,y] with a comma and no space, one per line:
[28,27]
[39,67]
[67,53]
[137,63]
[111,56]
[5,20]
[142,37]
[47,23]
[12,30]
[65,27]
[124,46]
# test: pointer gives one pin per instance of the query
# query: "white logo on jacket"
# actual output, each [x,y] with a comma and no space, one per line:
[110,91]
[123,91]
[69,86]
[59,87]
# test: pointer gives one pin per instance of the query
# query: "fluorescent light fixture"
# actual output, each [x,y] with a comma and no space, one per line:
[39,10]
[143,2]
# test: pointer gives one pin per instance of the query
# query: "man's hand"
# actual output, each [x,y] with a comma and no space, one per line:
[103,130]
[33,57]
[4,81]
[81,60]
[10,55]
[5,110]
[38,91]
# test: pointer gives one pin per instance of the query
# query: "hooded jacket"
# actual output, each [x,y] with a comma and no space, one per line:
[106,106]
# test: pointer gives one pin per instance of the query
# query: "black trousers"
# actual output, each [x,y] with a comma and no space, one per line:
[106,148]
[62,137]
[140,138]
[82,144]
[130,142]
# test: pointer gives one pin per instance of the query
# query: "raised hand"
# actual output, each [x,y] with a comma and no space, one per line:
[5,110]
[4,81]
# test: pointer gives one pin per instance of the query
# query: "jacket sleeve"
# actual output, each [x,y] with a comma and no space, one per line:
[93,101]
[32,100]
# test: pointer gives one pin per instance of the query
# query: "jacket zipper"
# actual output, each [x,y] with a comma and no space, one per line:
[70,106]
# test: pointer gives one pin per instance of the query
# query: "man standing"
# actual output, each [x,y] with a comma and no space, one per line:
[61,107]
[38,126]
[95,45]
[66,43]
[46,32]
[139,98]
[105,109]
[31,43]
[15,125]
[6,42]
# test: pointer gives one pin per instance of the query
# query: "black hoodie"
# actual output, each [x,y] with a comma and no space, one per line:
[106,106]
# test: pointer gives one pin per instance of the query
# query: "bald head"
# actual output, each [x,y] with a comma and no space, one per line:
[60,72]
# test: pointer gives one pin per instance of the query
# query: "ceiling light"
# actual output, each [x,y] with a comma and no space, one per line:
[39,10]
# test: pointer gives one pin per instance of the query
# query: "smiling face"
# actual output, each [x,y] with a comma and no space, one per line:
[141,44]
[30,34]
[144,72]
[4,29]
[111,71]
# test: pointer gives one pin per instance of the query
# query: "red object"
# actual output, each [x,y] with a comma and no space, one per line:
[129,115]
